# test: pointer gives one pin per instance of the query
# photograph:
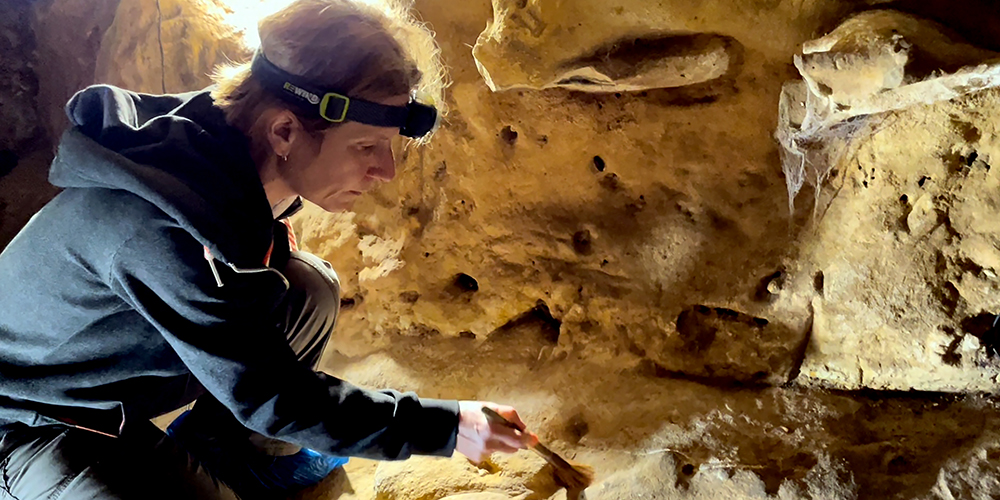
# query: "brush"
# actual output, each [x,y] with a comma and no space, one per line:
[574,477]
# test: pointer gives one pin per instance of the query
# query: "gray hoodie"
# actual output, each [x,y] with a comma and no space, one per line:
[110,309]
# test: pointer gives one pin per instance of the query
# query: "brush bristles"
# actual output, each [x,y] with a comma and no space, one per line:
[575,477]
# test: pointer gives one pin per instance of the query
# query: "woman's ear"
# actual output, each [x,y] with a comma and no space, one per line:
[282,130]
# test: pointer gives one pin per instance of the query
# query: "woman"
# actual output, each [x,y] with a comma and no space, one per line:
[163,273]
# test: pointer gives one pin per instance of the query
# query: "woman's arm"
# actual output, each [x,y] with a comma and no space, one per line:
[228,337]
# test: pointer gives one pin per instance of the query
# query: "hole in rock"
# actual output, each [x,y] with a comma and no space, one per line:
[699,325]
[582,242]
[986,327]
[466,283]
[818,282]
[971,158]
[599,163]
[898,465]
[769,286]
[537,320]
[347,303]
[508,135]
[577,427]
[949,297]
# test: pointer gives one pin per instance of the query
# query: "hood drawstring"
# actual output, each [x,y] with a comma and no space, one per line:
[211,263]
[293,245]
[215,272]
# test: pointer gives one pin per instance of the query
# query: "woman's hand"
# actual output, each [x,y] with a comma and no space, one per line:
[478,438]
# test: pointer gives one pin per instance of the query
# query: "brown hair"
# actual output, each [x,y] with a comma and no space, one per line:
[360,49]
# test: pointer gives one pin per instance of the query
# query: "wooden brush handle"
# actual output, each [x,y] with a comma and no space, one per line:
[551,457]
[496,418]
[493,417]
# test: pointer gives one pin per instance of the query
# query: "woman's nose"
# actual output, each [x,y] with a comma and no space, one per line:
[385,165]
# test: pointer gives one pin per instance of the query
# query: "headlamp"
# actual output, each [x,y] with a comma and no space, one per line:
[414,120]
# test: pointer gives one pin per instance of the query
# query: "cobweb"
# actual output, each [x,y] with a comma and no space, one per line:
[809,158]
[812,146]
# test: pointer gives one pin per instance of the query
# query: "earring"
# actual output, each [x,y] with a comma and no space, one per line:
[283,157]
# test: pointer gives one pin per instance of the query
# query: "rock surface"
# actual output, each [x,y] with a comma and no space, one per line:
[625,45]
[910,283]
[883,60]
[518,476]
[892,243]
[874,62]
[625,269]
[18,81]
[664,438]
[168,46]
[69,34]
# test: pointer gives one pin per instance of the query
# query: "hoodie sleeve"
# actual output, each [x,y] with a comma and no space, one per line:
[228,338]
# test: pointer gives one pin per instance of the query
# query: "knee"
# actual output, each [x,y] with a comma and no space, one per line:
[312,305]
[314,290]
[315,278]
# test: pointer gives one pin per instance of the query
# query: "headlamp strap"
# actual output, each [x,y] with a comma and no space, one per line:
[414,119]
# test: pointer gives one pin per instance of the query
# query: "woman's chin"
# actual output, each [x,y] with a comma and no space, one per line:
[338,203]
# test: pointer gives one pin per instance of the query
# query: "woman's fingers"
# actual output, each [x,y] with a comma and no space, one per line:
[525,439]
[510,414]
[509,437]
[478,436]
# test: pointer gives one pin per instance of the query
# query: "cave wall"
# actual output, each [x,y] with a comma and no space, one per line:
[48,51]
[69,34]
[616,252]
[650,225]
[18,81]
[655,225]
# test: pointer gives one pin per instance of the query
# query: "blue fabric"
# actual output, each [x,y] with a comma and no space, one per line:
[303,469]
[252,473]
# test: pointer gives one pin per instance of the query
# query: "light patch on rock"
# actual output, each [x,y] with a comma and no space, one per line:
[381,256]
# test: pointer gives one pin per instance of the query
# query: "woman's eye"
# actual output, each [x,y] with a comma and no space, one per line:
[366,147]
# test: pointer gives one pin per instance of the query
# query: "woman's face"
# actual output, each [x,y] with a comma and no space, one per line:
[335,168]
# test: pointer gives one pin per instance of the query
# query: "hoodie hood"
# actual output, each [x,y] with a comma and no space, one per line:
[176,152]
